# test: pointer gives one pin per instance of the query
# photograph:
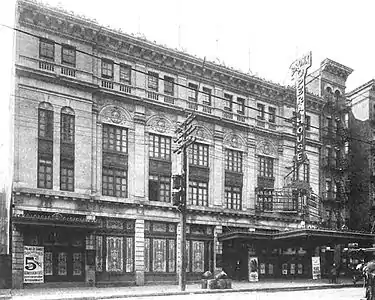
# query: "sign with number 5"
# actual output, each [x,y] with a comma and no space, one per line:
[33,270]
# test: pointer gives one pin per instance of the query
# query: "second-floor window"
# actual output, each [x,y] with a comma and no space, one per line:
[206,95]
[107,69]
[193,92]
[233,161]
[199,154]
[153,81]
[160,147]
[47,49]
[125,74]
[45,124]
[159,188]
[67,175]
[68,55]
[168,85]
[233,197]
[115,138]
[198,193]
[45,172]
[265,167]
[114,182]
[272,114]
[228,102]
[241,106]
[260,108]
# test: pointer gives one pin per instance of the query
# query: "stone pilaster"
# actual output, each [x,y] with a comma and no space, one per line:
[56,151]
[17,258]
[99,158]
[139,252]
[218,169]
[218,246]
[251,175]
[94,158]
[139,151]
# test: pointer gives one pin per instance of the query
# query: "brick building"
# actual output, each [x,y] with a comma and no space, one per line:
[95,117]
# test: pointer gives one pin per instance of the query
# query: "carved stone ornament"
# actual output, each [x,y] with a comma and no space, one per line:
[234,141]
[115,115]
[159,125]
[200,133]
[266,148]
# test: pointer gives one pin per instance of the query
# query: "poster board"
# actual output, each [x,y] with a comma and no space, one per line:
[315,267]
[253,269]
[33,264]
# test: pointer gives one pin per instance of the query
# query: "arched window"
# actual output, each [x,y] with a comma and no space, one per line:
[67,125]
[329,90]
[45,146]
[67,134]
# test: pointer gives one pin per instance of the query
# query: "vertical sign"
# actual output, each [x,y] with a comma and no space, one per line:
[253,269]
[299,71]
[33,269]
[315,264]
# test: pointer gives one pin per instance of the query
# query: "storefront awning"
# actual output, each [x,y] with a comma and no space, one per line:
[319,235]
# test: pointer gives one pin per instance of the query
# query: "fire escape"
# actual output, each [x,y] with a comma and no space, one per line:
[335,163]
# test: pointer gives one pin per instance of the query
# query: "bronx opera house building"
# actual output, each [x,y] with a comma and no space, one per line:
[95,118]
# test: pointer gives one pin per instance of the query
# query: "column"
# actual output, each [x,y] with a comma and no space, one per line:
[98,164]
[94,158]
[218,248]
[139,252]
[250,175]
[218,169]
[17,258]
[140,155]
[56,151]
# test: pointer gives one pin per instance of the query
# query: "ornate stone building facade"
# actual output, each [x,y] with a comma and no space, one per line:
[95,118]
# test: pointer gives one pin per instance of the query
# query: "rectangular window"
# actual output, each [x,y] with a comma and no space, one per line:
[260,108]
[68,55]
[129,254]
[160,147]
[265,199]
[241,106]
[198,193]
[46,49]
[114,258]
[153,81]
[228,102]
[147,254]
[168,85]
[67,128]
[45,173]
[114,182]
[265,167]
[125,74]
[198,155]
[306,172]
[115,138]
[107,69]
[159,188]
[272,114]
[197,256]
[99,253]
[308,122]
[206,95]
[171,255]
[193,92]
[233,161]
[45,124]
[233,197]
[67,176]
[159,259]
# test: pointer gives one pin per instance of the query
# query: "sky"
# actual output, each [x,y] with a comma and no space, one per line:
[261,37]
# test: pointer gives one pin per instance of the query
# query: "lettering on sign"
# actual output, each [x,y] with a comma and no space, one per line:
[299,71]
[33,270]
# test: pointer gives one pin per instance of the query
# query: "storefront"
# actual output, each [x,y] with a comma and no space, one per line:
[287,254]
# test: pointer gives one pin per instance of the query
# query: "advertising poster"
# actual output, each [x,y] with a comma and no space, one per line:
[315,267]
[33,269]
[253,269]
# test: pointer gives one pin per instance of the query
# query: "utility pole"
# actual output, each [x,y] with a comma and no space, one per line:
[180,188]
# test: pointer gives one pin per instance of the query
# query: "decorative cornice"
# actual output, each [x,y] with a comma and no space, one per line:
[63,23]
[335,68]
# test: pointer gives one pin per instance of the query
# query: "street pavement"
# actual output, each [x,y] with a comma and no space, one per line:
[91,293]
[326,294]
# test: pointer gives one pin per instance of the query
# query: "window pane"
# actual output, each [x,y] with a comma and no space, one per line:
[147,255]
[171,255]
[159,255]
[197,256]
[129,266]
[114,259]
[68,55]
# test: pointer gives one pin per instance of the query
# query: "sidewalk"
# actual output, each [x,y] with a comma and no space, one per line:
[90,293]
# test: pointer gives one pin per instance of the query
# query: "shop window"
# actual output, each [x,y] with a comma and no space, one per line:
[77,264]
[114,258]
[160,255]
[270,269]
[197,257]
[99,253]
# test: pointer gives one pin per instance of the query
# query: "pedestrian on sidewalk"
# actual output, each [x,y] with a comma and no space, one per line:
[334,274]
